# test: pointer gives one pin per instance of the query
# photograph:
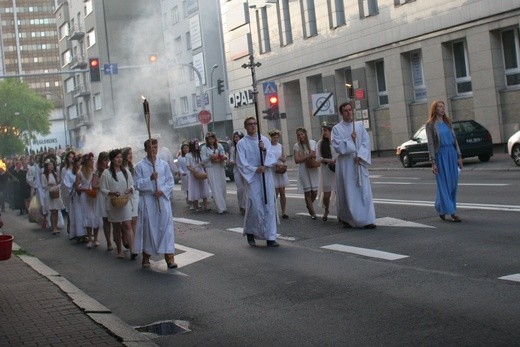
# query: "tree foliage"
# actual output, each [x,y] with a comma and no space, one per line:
[23,114]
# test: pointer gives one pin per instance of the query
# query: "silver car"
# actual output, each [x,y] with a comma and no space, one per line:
[513,147]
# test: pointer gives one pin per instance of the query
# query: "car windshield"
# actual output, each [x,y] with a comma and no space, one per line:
[420,134]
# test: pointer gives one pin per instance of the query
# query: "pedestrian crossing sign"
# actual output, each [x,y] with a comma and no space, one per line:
[269,88]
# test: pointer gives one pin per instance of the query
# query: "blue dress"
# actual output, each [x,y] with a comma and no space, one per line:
[448,171]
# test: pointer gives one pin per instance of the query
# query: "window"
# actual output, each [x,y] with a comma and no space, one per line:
[97,101]
[91,38]
[188,41]
[309,18]
[194,101]
[284,18]
[64,30]
[419,88]
[177,45]
[460,60]
[367,8]
[263,30]
[175,15]
[88,7]
[174,107]
[336,13]
[184,104]
[72,111]
[70,85]
[381,83]
[66,57]
[511,51]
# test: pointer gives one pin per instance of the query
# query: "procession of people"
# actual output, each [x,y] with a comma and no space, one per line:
[83,193]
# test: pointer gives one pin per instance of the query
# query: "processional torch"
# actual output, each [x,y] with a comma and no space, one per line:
[147,118]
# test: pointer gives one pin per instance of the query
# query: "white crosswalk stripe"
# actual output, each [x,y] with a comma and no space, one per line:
[372,253]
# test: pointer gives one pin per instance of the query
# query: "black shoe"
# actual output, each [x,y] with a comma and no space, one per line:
[284,216]
[134,256]
[347,225]
[172,265]
[272,243]
[370,226]
[251,240]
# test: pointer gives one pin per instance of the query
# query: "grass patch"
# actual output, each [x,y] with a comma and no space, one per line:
[20,251]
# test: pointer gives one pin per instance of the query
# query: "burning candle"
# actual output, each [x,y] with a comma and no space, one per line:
[146,107]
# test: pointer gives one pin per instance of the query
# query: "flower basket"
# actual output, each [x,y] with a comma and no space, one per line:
[54,194]
[200,175]
[119,201]
[91,192]
[312,163]
[280,168]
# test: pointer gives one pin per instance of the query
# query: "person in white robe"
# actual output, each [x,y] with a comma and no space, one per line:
[239,180]
[353,190]
[214,160]
[155,232]
[260,217]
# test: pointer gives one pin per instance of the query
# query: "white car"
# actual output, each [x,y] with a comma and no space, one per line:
[513,147]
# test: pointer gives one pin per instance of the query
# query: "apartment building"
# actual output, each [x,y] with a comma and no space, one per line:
[196,67]
[28,48]
[106,111]
[391,57]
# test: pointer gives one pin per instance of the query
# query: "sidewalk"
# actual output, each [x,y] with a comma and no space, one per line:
[38,307]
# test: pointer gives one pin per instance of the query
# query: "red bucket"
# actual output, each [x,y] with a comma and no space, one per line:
[6,246]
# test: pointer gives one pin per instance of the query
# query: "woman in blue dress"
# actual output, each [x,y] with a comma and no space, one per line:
[446,160]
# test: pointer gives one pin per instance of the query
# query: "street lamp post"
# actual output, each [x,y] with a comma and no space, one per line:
[212,103]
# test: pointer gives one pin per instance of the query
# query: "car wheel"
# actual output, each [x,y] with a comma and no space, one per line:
[515,153]
[484,157]
[406,160]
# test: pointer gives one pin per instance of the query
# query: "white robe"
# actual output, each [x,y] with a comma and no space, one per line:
[353,190]
[216,176]
[260,218]
[155,233]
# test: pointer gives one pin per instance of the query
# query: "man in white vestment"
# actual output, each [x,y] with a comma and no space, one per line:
[155,233]
[353,190]
[260,217]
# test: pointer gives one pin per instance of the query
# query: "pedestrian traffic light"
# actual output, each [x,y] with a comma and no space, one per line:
[93,64]
[220,86]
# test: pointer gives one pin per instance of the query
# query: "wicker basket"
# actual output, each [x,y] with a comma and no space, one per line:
[200,175]
[54,194]
[280,168]
[91,192]
[119,201]
[312,163]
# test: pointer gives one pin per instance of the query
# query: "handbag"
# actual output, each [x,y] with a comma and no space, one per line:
[280,168]
[54,194]
[332,167]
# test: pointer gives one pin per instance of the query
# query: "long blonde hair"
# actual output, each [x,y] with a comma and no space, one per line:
[305,145]
[433,113]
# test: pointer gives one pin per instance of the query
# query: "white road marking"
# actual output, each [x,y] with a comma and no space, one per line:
[189,256]
[430,183]
[461,205]
[384,221]
[189,221]
[372,253]
[514,277]
[240,230]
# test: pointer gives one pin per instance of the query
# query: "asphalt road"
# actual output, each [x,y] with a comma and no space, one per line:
[442,288]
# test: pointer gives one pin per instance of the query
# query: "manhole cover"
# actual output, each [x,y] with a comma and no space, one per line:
[167,327]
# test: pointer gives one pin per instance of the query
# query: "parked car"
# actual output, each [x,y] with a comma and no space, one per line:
[513,147]
[229,167]
[474,141]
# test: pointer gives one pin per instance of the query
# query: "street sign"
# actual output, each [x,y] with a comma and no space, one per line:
[204,117]
[269,88]
[324,102]
[360,94]
[110,69]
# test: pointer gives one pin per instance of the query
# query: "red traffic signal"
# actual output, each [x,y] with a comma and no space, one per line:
[273,100]
[95,75]
[94,63]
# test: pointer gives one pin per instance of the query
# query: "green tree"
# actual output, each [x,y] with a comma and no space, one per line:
[23,114]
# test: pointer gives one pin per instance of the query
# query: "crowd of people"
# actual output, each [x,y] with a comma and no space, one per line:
[132,203]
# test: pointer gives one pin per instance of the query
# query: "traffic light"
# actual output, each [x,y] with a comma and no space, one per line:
[152,58]
[273,106]
[268,114]
[220,86]
[93,64]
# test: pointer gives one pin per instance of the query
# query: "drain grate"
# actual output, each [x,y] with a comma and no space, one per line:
[166,327]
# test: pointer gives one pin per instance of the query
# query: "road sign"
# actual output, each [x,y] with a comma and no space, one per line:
[360,94]
[269,88]
[204,117]
[325,101]
[110,69]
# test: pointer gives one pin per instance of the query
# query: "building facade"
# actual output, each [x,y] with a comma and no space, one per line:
[392,57]
[28,46]
[104,109]
[196,67]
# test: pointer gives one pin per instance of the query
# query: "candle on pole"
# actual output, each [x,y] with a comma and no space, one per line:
[146,108]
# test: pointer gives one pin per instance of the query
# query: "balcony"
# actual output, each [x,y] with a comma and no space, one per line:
[79,61]
[76,33]
[81,90]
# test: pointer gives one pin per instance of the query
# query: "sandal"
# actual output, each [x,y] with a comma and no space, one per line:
[455,218]
[120,256]
[443,217]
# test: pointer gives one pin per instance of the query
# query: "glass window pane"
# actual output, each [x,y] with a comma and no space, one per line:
[509,46]
[460,61]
